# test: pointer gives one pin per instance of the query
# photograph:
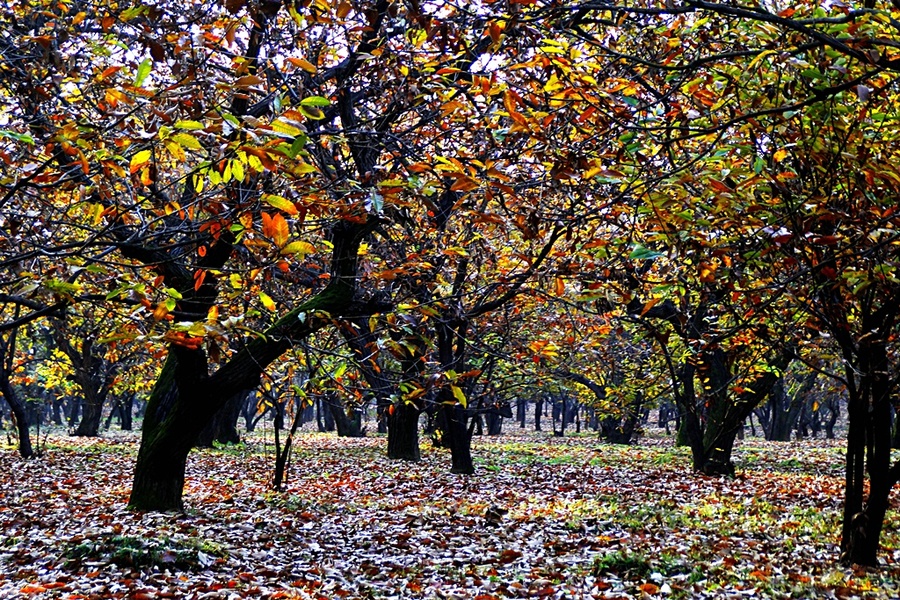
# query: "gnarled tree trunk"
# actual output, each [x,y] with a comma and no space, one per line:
[185,397]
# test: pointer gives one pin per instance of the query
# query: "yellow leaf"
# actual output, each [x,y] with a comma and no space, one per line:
[312,112]
[139,160]
[160,312]
[186,140]
[188,125]
[287,127]
[780,155]
[298,247]
[237,170]
[459,395]
[281,203]
[176,151]
[267,301]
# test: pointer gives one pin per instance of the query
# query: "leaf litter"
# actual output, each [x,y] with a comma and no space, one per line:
[543,518]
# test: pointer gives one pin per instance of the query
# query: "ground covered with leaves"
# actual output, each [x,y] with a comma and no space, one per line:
[544,517]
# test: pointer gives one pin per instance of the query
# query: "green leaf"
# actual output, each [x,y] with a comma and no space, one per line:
[319,101]
[19,137]
[297,145]
[142,72]
[758,165]
[642,253]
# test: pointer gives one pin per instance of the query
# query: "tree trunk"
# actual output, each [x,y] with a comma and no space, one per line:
[538,410]
[126,411]
[895,439]
[17,407]
[186,397]
[168,434]
[458,439]
[283,456]
[223,427]
[20,418]
[868,450]
[91,416]
[56,412]
[348,425]
[403,432]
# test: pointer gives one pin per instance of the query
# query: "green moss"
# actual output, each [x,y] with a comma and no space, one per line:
[164,552]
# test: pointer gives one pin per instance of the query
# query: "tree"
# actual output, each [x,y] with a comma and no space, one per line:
[10,394]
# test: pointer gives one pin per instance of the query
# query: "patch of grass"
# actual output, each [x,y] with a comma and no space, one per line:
[622,564]
[239,449]
[187,554]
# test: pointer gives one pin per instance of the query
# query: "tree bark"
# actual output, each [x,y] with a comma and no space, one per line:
[20,417]
[16,405]
[403,432]
[458,438]
[347,425]
[868,450]
[89,425]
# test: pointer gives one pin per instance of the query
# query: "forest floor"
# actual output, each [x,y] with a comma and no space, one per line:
[543,517]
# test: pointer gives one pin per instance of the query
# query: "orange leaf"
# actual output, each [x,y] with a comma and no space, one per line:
[247,80]
[464,184]
[560,286]
[280,230]
[649,588]
[267,226]
[650,304]
[199,276]
[160,312]
[303,64]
